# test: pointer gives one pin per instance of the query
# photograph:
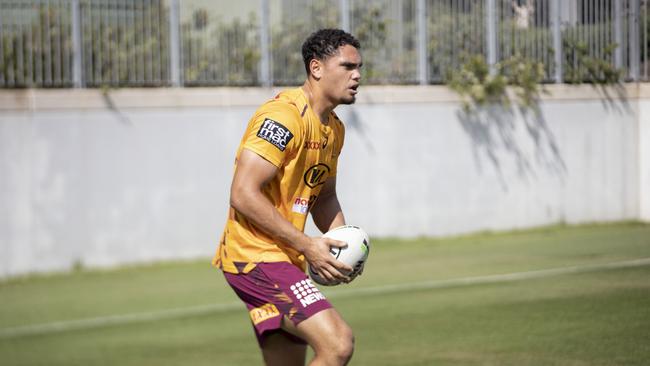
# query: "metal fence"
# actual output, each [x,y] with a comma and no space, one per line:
[126,43]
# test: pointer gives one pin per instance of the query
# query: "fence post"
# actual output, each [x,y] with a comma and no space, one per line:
[3,81]
[422,42]
[618,35]
[344,7]
[491,34]
[77,49]
[175,65]
[633,20]
[266,76]
[557,40]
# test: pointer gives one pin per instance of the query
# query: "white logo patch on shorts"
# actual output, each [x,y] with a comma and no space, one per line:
[306,292]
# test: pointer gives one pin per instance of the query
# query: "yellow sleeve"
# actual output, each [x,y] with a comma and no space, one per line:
[274,132]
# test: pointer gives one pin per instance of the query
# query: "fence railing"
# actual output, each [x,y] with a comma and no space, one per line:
[126,43]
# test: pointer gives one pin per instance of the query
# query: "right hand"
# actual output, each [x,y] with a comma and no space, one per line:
[322,262]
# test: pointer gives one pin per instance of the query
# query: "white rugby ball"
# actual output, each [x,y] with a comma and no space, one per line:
[354,255]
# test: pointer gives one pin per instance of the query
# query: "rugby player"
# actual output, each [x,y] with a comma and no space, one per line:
[285,168]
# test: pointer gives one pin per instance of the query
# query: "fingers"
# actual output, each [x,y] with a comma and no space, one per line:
[343,268]
[334,271]
[340,266]
[332,276]
[336,243]
[358,271]
[325,264]
[337,271]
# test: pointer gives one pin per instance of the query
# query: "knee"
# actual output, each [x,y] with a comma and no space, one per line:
[344,345]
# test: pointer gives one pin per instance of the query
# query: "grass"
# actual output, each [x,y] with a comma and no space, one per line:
[594,318]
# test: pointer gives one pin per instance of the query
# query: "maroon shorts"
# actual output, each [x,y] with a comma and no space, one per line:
[272,291]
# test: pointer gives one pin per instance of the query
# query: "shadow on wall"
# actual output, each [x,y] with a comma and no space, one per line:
[614,97]
[354,122]
[504,134]
[110,105]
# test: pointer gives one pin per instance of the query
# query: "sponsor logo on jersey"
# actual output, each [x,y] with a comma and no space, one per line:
[301,205]
[264,312]
[306,292]
[316,175]
[315,145]
[275,133]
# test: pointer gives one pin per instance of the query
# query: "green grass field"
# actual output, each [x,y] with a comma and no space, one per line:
[599,316]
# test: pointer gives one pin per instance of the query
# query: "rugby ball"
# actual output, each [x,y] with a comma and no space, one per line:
[354,255]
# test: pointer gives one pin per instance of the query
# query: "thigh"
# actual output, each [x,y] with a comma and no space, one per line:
[321,329]
[280,350]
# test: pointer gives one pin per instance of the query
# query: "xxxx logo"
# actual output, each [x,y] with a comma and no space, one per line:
[264,312]
[315,145]
[316,175]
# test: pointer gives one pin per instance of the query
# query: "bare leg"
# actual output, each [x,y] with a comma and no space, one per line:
[278,350]
[328,334]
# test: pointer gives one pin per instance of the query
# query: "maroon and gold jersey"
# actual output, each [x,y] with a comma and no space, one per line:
[286,132]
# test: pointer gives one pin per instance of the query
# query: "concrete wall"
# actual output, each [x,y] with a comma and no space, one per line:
[139,175]
[644,159]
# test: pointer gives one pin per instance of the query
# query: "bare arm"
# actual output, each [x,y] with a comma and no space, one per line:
[327,213]
[252,174]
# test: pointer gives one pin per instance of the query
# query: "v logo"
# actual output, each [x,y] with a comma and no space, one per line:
[316,175]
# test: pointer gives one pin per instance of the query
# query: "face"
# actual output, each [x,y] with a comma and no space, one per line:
[339,75]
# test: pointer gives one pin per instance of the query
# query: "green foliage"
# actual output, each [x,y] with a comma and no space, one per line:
[372,32]
[478,87]
[133,52]
[582,67]
[452,35]
[128,45]
[108,61]
[533,43]
[524,75]
[474,81]
[287,38]
[219,52]
[30,56]
[384,60]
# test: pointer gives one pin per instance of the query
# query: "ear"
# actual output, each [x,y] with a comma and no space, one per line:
[316,68]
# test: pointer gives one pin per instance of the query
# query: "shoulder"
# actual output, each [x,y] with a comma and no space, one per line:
[275,130]
[284,109]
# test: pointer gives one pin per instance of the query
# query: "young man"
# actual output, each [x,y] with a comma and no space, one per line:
[285,168]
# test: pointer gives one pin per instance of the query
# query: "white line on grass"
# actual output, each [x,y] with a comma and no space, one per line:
[68,325]
[488,279]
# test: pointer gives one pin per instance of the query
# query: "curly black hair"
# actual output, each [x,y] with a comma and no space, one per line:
[325,43]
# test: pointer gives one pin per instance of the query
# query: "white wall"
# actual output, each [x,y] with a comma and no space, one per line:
[644,154]
[423,170]
[140,175]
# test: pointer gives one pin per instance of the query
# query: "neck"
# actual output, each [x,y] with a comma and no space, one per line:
[317,101]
